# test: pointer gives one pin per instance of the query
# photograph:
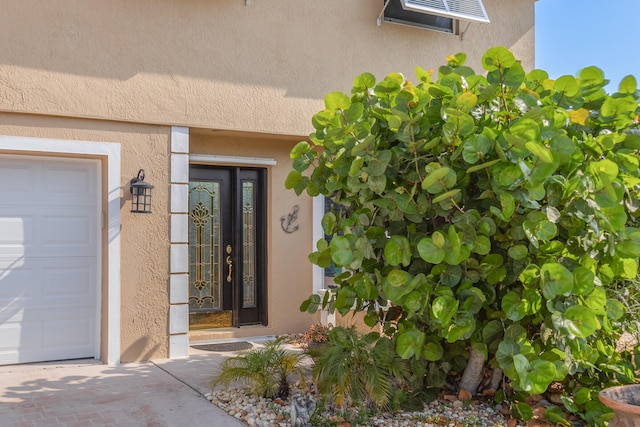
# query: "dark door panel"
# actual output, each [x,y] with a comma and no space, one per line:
[227,246]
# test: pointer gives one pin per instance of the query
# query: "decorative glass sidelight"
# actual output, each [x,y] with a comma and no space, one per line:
[205,246]
[248,244]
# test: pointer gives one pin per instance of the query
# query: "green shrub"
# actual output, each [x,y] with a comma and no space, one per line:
[497,213]
[266,370]
[357,369]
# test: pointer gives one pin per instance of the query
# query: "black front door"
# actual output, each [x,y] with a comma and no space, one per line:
[227,246]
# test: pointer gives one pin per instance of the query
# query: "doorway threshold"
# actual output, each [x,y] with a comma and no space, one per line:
[254,332]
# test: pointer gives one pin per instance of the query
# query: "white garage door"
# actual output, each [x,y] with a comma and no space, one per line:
[49,258]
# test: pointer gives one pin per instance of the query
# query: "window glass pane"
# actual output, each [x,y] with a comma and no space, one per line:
[204,246]
[248,244]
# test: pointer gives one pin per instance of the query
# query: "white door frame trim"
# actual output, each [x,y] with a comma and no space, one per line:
[88,149]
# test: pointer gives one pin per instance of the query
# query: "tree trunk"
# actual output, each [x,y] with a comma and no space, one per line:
[496,378]
[473,372]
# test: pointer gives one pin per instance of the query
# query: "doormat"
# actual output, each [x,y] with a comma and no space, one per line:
[225,346]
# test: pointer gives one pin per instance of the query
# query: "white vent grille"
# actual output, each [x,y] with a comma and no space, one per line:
[472,10]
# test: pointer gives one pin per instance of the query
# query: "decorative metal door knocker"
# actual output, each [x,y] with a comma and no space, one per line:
[286,221]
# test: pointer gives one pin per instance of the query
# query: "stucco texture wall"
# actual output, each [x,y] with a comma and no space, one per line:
[144,238]
[289,279]
[220,64]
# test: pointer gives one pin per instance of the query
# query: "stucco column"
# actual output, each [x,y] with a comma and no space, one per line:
[179,236]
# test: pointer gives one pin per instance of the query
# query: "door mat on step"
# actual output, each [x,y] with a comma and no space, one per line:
[226,346]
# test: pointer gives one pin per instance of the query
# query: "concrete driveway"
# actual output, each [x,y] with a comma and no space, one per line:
[86,393]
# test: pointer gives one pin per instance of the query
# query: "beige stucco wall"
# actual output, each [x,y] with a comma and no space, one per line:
[222,64]
[125,71]
[144,238]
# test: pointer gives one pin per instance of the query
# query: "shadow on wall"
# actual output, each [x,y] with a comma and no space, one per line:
[139,351]
[226,40]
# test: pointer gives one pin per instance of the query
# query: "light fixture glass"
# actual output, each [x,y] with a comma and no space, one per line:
[140,194]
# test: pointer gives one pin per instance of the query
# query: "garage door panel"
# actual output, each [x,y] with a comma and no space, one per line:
[70,283]
[45,282]
[49,263]
[15,230]
[10,336]
[69,332]
[68,181]
[48,234]
[16,177]
[32,182]
[14,233]
[73,232]
[32,335]
[16,283]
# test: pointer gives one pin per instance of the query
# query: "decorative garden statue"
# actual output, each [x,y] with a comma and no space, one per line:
[301,410]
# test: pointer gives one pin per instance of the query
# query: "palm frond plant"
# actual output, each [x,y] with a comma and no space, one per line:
[266,370]
[358,368]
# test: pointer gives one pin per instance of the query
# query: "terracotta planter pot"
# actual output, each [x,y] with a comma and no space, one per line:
[624,400]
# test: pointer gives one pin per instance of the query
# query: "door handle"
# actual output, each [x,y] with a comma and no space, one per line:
[229,264]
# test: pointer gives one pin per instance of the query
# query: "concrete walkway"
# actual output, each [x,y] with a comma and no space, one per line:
[87,393]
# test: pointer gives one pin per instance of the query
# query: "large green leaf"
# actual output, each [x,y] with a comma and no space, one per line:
[556,416]
[341,250]
[475,148]
[513,76]
[378,165]
[507,350]
[363,82]
[337,101]
[409,342]
[541,374]
[513,306]
[498,58]
[581,321]
[433,351]
[555,280]
[443,309]
[300,148]
[430,252]
[293,179]
[522,411]
[398,278]
[518,252]
[449,195]
[540,151]
[597,301]
[398,251]
[364,287]
[508,204]
[628,85]
[629,244]
[482,245]
[567,85]
[615,309]
[460,328]
[457,124]
[438,179]
[511,175]
[584,281]
[466,101]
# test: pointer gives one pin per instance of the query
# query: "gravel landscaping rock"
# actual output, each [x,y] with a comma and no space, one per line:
[262,412]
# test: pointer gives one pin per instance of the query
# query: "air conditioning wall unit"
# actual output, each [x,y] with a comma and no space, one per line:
[435,15]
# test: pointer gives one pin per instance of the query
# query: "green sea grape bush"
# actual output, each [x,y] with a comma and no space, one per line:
[490,214]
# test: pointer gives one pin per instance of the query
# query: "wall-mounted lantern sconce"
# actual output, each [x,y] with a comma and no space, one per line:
[140,194]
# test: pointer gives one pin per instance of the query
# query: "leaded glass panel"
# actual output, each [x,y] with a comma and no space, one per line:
[204,246]
[248,244]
